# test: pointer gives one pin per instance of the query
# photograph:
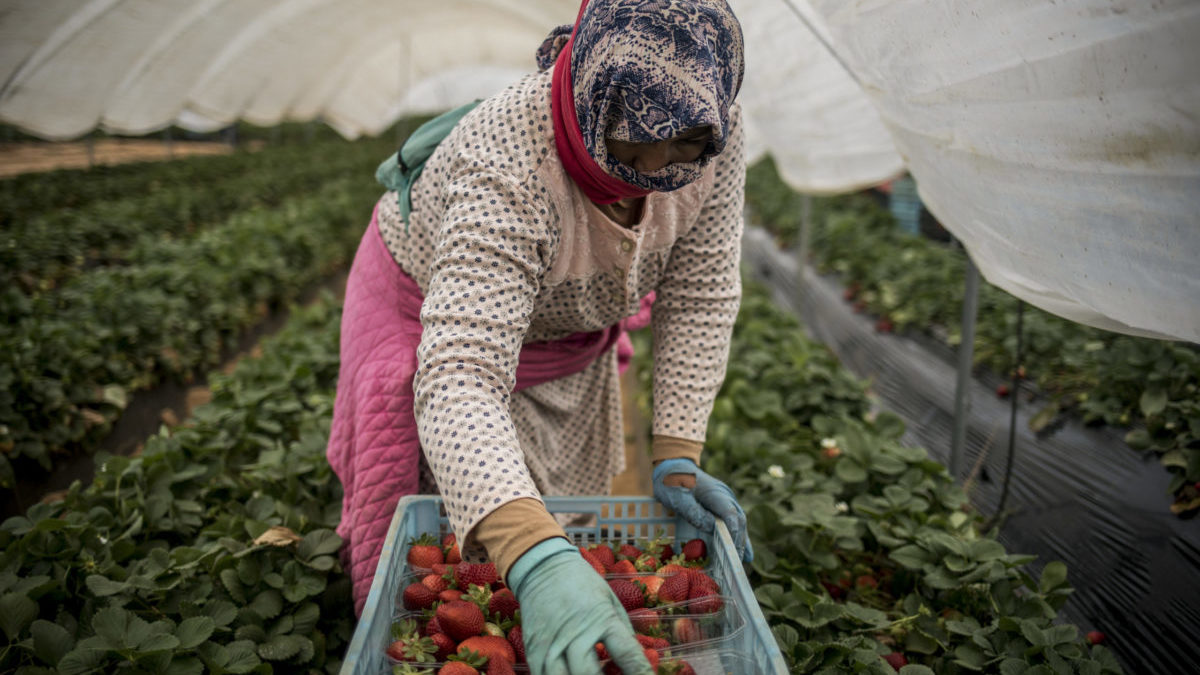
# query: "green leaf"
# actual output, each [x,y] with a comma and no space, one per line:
[191,632]
[1013,667]
[849,471]
[1153,402]
[1053,576]
[242,657]
[281,647]
[185,665]
[17,611]
[319,542]
[222,612]
[267,604]
[1138,439]
[911,556]
[81,660]
[50,641]
[915,669]
[101,586]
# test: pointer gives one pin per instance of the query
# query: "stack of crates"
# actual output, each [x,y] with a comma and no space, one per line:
[740,644]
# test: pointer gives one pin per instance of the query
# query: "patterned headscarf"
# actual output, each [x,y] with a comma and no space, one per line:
[647,70]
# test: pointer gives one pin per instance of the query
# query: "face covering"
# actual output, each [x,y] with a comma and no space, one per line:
[640,71]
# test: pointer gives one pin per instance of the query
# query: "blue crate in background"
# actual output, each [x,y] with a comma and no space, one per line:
[749,650]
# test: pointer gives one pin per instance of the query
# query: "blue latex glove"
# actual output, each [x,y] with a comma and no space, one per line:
[566,608]
[700,505]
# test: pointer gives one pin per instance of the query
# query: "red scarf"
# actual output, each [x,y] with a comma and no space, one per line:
[599,187]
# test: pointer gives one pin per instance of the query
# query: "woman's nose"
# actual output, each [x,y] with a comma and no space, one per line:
[652,157]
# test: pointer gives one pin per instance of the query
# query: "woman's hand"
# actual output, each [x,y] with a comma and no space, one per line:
[687,490]
[566,608]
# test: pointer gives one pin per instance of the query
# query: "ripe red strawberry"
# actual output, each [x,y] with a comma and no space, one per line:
[503,604]
[686,630]
[441,569]
[674,589]
[622,567]
[500,666]
[671,569]
[432,627]
[685,668]
[666,554]
[652,583]
[450,546]
[603,553]
[701,581]
[646,563]
[479,574]
[410,646]
[1095,637]
[435,582]
[417,596]
[896,660]
[424,552]
[445,646]
[884,325]
[518,643]
[644,619]
[650,642]
[865,581]
[450,594]
[836,592]
[490,647]
[591,559]
[628,593]
[694,550]
[460,619]
[629,552]
[704,601]
[457,668]
[1002,391]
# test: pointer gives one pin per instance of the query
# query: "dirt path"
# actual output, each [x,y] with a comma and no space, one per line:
[30,157]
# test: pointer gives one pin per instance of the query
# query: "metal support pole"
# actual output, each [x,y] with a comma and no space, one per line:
[966,355]
[805,236]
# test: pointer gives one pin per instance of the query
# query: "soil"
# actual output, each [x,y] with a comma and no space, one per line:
[31,156]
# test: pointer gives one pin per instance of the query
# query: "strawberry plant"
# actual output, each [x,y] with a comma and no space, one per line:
[213,550]
[1148,387]
[866,554]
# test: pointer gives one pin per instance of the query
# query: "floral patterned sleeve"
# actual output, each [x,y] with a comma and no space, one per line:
[698,301]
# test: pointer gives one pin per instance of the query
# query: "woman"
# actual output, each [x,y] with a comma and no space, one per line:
[539,224]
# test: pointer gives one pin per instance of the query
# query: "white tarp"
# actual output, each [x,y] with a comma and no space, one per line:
[1058,141]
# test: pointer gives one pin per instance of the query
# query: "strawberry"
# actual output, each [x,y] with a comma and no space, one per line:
[700,580]
[674,589]
[860,306]
[704,601]
[500,666]
[457,668]
[603,553]
[435,582]
[460,619]
[417,596]
[652,583]
[646,563]
[450,594]
[865,581]
[849,294]
[432,627]
[644,620]
[628,552]
[694,550]
[493,629]
[424,552]
[652,656]
[630,596]
[835,592]
[444,644]
[671,569]
[441,569]
[622,567]
[666,553]
[479,574]
[489,647]
[1095,637]
[1002,391]
[591,559]
[884,325]
[503,604]
[649,642]
[518,643]
[450,546]
[685,668]
[411,648]
[686,630]
[896,660]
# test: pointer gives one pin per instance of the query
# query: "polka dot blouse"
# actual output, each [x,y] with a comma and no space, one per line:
[507,250]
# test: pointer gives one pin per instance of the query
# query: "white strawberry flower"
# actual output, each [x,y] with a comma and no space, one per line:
[775,470]
[828,443]
[842,507]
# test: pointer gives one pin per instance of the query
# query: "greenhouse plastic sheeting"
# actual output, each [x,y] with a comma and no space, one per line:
[1079,494]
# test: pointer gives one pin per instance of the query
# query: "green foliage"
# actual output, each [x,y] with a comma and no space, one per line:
[212,551]
[864,546]
[1147,386]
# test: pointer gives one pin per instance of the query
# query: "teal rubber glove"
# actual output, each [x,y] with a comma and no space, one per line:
[566,608]
[701,505]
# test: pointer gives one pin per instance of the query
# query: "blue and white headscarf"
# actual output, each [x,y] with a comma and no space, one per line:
[647,70]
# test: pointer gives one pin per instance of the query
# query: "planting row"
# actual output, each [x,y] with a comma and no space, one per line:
[867,556]
[69,364]
[212,551]
[1150,387]
[43,248]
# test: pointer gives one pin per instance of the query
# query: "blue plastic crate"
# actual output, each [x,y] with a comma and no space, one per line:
[750,650]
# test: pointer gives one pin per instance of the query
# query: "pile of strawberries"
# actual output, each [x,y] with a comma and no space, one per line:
[461,619]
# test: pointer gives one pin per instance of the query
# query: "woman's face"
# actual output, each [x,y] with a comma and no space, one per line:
[650,157]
